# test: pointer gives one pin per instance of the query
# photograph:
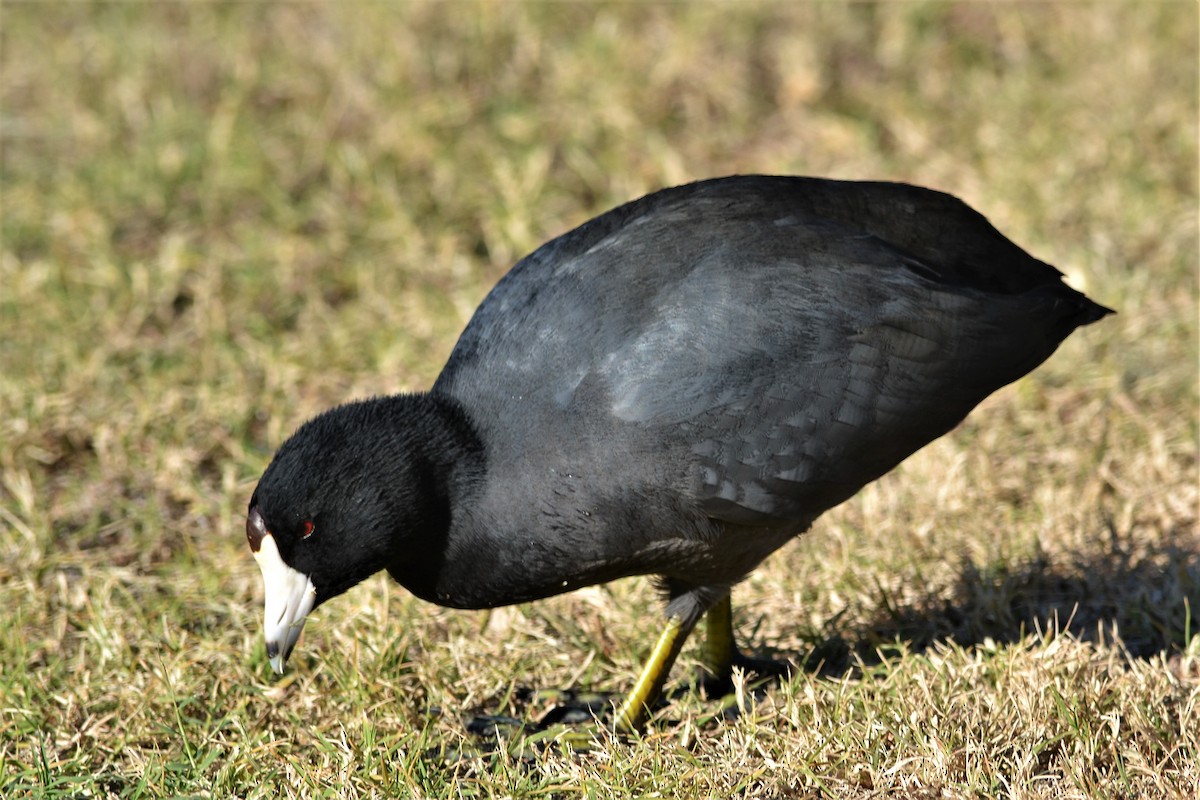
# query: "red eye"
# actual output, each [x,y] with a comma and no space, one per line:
[308,529]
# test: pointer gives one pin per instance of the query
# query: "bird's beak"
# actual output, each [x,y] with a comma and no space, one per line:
[289,595]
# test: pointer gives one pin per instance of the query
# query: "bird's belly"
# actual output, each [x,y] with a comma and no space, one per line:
[731,554]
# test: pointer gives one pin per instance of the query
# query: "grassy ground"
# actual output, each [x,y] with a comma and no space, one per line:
[220,219]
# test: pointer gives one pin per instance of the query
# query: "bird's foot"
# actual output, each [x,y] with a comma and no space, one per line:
[554,718]
[720,682]
[760,673]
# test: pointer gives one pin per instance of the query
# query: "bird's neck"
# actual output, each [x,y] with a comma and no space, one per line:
[447,465]
[482,538]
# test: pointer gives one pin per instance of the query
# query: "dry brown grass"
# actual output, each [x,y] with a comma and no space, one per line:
[220,219]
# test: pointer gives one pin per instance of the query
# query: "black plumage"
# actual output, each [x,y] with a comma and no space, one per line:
[677,387]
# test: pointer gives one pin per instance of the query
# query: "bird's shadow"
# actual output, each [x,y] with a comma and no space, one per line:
[1139,599]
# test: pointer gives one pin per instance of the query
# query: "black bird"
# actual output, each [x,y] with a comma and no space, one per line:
[677,387]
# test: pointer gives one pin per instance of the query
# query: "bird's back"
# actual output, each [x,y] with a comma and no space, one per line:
[776,343]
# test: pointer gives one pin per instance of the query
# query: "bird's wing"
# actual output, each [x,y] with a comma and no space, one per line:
[777,358]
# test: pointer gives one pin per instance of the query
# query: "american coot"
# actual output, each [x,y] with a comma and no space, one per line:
[677,388]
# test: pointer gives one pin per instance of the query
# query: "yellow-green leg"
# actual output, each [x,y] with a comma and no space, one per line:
[636,708]
[722,654]
[720,650]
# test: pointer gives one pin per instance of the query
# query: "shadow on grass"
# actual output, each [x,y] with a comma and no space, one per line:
[1141,599]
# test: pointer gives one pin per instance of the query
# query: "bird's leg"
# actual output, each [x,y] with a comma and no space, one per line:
[721,652]
[636,708]
[721,656]
[720,649]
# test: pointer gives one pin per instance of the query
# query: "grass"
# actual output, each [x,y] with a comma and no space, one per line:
[218,220]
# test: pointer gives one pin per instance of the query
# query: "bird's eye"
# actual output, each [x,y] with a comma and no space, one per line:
[308,529]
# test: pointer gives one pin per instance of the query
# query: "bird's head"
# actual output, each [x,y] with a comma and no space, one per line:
[324,516]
